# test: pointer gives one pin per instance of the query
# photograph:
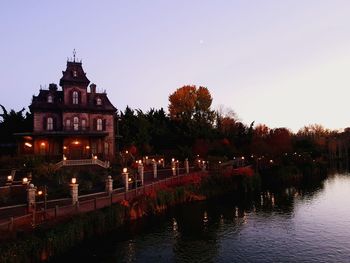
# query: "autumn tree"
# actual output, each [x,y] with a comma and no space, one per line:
[191,103]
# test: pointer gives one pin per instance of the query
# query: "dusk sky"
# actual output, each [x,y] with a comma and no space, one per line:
[282,63]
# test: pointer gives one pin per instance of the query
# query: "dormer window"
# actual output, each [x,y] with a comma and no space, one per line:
[75,97]
[75,73]
[49,99]
[98,101]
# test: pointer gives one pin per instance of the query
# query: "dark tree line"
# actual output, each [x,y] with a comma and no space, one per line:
[13,122]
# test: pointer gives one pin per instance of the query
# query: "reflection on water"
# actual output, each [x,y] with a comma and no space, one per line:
[310,224]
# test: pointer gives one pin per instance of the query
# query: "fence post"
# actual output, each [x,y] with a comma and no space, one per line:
[31,197]
[187,167]
[74,187]
[125,174]
[203,166]
[154,169]
[141,172]
[109,184]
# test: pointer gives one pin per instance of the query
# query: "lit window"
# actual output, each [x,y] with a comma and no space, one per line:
[99,124]
[76,123]
[75,73]
[49,99]
[75,97]
[83,124]
[98,101]
[68,124]
[49,124]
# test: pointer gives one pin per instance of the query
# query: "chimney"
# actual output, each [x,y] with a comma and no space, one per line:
[92,88]
[52,87]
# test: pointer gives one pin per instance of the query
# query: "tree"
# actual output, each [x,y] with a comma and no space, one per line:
[10,123]
[191,103]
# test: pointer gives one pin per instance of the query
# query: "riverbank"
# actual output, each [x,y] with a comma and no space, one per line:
[48,241]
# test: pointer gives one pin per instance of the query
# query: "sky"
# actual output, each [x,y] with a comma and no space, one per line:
[281,63]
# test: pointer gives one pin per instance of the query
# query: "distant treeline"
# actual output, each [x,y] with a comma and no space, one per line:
[193,128]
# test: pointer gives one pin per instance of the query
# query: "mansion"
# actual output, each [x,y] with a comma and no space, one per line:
[72,123]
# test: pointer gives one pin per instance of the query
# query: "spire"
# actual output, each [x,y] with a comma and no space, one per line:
[74,53]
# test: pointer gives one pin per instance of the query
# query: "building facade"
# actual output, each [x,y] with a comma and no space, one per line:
[72,123]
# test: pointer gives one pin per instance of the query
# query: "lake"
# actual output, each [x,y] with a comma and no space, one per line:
[309,224]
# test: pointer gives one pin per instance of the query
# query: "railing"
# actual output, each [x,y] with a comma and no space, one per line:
[104,164]
[91,203]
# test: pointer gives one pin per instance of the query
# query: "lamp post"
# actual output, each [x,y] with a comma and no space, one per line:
[125,174]
[74,190]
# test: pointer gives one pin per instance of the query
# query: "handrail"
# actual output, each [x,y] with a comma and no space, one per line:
[104,164]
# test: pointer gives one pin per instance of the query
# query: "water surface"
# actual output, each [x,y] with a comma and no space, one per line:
[293,225]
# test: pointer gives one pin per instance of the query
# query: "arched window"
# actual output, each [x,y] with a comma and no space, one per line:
[99,124]
[49,99]
[76,123]
[49,124]
[68,124]
[75,97]
[98,101]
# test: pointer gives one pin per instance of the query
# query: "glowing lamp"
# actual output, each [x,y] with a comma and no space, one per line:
[172,159]
[64,147]
[40,192]
[42,144]
[126,152]
[76,142]
[95,157]
[9,178]
[125,170]
[28,144]
[74,180]
[25,180]
[129,179]
[87,147]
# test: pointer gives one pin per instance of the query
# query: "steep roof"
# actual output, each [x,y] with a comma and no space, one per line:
[40,102]
[74,75]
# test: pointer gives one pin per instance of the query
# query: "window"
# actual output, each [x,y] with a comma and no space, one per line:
[75,97]
[83,124]
[106,148]
[76,123]
[98,101]
[99,124]
[49,124]
[49,99]
[75,73]
[68,124]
